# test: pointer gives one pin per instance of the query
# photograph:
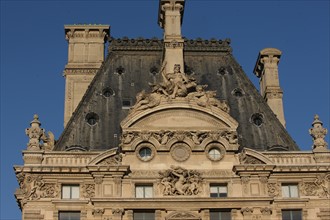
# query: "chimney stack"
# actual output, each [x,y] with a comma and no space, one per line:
[170,17]
[85,57]
[266,69]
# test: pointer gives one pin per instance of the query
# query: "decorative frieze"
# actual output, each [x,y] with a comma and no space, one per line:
[163,137]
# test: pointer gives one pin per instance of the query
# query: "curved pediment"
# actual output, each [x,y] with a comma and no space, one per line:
[179,116]
[249,156]
[109,157]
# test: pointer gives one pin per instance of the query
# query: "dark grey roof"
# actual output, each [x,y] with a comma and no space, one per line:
[132,63]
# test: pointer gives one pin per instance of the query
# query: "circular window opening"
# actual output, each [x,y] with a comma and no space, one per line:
[92,118]
[107,92]
[214,153]
[257,119]
[145,153]
[238,92]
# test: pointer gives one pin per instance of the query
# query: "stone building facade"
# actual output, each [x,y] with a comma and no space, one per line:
[188,145]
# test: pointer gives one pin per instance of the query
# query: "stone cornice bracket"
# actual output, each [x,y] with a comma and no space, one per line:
[318,133]
[87,31]
[266,69]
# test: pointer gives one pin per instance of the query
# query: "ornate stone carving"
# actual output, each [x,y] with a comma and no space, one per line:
[98,179]
[98,212]
[88,190]
[318,133]
[182,215]
[177,84]
[114,160]
[323,182]
[247,159]
[266,211]
[273,189]
[247,211]
[309,189]
[117,211]
[207,98]
[34,187]
[37,134]
[179,181]
[163,137]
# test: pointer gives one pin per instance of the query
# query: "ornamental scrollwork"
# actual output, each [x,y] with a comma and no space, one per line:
[320,187]
[89,190]
[273,189]
[179,181]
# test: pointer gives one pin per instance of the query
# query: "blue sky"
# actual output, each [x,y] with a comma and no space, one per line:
[34,53]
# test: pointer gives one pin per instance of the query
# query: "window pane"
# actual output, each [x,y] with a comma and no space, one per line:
[218,191]
[220,215]
[66,192]
[74,192]
[291,215]
[214,189]
[144,216]
[294,191]
[285,191]
[147,192]
[139,192]
[69,215]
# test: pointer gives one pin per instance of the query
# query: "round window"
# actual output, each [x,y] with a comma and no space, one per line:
[92,118]
[145,153]
[214,153]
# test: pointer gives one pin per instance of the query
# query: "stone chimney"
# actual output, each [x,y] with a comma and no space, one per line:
[85,57]
[266,69]
[170,17]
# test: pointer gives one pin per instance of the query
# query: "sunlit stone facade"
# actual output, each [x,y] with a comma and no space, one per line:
[180,155]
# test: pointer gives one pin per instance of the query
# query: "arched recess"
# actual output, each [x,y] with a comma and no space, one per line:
[184,215]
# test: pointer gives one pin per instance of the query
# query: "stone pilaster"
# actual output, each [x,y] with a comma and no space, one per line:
[266,69]
[85,57]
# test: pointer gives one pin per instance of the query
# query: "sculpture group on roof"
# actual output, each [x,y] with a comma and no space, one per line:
[178,85]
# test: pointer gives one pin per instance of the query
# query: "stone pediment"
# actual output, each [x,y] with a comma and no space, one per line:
[179,116]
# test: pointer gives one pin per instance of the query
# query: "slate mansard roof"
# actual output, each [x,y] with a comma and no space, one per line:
[133,63]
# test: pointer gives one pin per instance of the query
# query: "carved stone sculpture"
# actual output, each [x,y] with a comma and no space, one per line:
[37,134]
[34,187]
[179,181]
[89,190]
[318,133]
[273,189]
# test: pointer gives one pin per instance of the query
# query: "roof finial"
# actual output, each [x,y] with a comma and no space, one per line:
[318,132]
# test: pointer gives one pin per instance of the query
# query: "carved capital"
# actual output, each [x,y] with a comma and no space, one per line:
[247,211]
[98,212]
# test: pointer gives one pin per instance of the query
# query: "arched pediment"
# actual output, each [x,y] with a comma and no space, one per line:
[109,157]
[179,116]
[183,215]
[249,156]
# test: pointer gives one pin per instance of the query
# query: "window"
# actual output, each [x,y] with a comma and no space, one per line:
[214,153]
[69,215]
[291,215]
[144,215]
[220,214]
[217,191]
[145,153]
[143,191]
[290,190]
[70,192]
